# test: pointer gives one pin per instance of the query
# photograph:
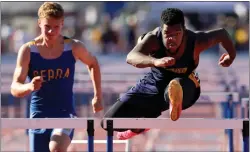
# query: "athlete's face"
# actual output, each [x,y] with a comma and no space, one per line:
[50,27]
[172,36]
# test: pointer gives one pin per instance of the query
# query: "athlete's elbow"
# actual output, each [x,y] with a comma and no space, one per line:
[134,62]
[131,62]
[15,93]
[129,59]
[12,90]
[18,95]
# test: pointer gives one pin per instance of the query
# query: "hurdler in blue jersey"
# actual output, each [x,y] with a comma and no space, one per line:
[172,52]
[49,62]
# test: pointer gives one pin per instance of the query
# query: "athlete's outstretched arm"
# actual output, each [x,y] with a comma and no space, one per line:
[18,88]
[140,54]
[81,53]
[208,39]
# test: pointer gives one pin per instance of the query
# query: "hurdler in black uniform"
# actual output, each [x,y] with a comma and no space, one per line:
[172,52]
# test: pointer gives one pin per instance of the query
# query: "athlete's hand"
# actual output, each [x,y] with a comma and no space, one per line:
[225,60]
[164,62]
[36,83]
[97,105]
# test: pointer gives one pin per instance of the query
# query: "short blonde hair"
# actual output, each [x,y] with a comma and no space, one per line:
[51,9]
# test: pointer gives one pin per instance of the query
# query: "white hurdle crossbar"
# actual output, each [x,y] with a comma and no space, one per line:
[43,123]
[182,123]
[159,123]
[111,124]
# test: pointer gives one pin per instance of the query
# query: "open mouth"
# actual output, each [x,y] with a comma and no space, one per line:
[171,45]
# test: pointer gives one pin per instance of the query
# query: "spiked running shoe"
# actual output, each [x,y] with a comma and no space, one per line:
[175,94]
[128,134]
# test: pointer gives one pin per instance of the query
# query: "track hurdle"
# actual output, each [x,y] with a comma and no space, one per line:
[180,124]
[110,124]
[90,125]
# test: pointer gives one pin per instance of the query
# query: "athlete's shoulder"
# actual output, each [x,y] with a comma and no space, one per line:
[201,34]
[74,43]
[77,43]
[150,35]
[23,54]
[153,32]
[191,32]
[78,47]
[26,47]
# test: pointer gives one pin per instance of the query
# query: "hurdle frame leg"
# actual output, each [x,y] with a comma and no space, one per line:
[245,135]
[90,131]
[110,133]
[231,140]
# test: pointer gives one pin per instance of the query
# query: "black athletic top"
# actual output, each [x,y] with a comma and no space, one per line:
[183,67]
